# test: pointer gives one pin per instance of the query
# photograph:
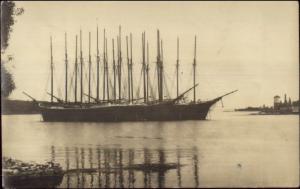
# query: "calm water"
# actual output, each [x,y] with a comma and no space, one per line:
[230,150]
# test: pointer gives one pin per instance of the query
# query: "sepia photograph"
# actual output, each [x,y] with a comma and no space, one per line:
[150,94]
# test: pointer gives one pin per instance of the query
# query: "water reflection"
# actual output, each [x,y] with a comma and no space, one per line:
[223,144]
[131,178]
[106,168]
[91,166]
[67,165]
[118,168]
[161,172]
[52,153]
[77,166]
[195,158]
[178,169]
[82,167]
[121,169]
[99,167]
[147,174]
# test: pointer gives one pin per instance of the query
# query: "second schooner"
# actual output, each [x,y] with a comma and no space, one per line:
[113,108]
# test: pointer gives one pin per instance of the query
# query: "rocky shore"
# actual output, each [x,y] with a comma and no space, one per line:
[17,174]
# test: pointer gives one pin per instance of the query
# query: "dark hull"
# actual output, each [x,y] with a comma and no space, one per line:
[157,112]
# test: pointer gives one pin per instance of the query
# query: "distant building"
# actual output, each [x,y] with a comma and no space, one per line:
[285,107]
[295,106]
[277,102]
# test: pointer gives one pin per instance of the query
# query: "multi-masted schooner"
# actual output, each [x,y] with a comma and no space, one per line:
[117,108]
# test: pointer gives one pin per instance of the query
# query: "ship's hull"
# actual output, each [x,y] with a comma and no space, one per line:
[117,113]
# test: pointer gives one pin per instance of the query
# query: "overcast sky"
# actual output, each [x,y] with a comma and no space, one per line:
[249,46]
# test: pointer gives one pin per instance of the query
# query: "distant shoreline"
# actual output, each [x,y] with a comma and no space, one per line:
[248,109]
[16,107]
[262,113]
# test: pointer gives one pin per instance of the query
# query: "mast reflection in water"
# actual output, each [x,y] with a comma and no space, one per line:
[103,167]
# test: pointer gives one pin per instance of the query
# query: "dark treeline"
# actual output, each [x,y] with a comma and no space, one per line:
[8,13]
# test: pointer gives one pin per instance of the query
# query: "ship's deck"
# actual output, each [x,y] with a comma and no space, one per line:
[101,105]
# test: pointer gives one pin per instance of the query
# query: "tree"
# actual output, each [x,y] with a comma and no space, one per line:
[7,82]
[8,12]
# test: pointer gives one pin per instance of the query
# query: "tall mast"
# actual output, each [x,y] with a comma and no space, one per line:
[76,68]
[144,64]
[66,64]
[158,66]
[98,62]
[194,68]
[147,73]
[114,68]
[177,68]
[104,70]
[128,67]
[161,72]
[81,69]
[51,67]
[120,63]
[106,62]
[90,64]
[131,76]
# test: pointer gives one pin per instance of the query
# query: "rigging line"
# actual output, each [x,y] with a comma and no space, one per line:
[47,85]
[85,80]
[153,96]
[168,80]
[72,81]
[110,84]
[155,80]
[132,76]
[58,86]
[85,73]
[85,68]
[190,78]
[101,73]
[123,81]
[125,89]
[110,81]
[73,76]
[93,79]
[59,93]
[69,88]
[180,73]
[173,81]
[139,86]
[86,77]
[166,86]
